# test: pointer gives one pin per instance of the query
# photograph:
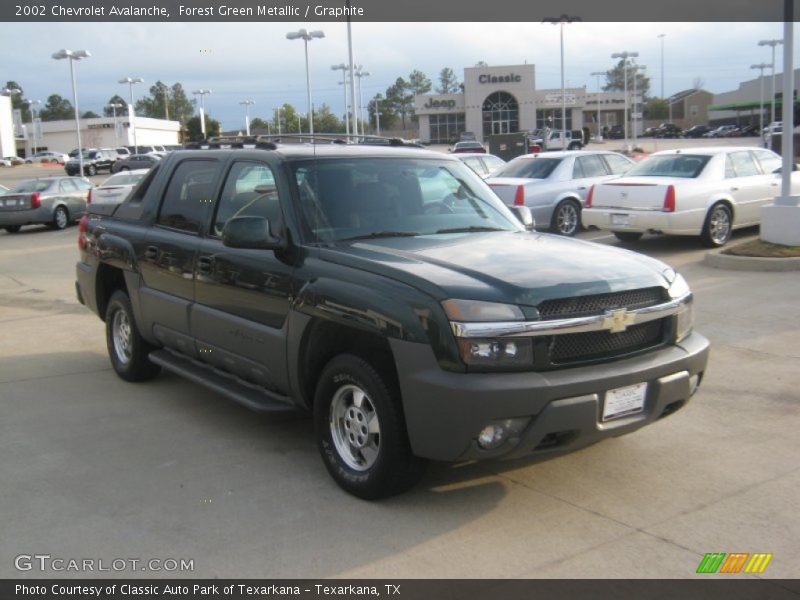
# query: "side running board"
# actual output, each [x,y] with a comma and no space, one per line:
[253,397]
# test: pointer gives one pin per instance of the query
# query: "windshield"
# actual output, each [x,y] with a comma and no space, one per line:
[671,165]
[529,168]
[33,185]
[357,198]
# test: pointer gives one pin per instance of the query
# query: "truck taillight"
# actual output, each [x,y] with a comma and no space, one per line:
[669,199]
[589,196]
[519,197]
[82,226]
[35,201]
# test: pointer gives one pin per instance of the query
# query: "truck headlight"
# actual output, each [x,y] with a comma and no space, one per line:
[516,353]
[684,318]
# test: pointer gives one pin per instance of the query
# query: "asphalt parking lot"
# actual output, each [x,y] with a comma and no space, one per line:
[97,468]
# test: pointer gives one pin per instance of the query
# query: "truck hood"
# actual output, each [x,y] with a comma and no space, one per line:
[521,268]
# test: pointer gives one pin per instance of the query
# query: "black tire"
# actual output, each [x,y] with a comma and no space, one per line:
[91,170]
[718,226]
[566,219]
[627,236]
[127,349]
[12,228]
[60,218]
[389,468]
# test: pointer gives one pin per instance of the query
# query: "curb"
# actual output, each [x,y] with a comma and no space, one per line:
[750,263]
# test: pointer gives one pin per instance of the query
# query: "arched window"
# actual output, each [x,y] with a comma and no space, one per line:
[500,114]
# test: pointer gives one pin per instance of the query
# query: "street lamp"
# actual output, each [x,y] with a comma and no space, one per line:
[661,36]
[377,101]
[307,36]
[165,87]
[625,56]
[361,73]
[761,68]
[202,94]
[247,104]
[299,129]
[131,81]
[636,69]
[598,74]
[74,55]
[562,20]
[30,104]
[343,68]
[279,120]
[772,44]
[114,106]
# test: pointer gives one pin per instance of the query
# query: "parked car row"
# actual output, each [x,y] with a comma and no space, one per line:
[670,130]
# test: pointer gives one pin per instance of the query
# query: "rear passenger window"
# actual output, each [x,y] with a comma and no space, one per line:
[769,161]
[188,196]
[617,164]
[249,191]
[67,186]
[590,166]
[743,164]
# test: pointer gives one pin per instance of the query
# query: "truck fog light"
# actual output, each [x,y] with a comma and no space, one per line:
[496,433]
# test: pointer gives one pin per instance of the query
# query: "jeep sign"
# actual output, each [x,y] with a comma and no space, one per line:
[439,104]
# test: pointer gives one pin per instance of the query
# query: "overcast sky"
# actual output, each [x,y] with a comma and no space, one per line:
[239,61]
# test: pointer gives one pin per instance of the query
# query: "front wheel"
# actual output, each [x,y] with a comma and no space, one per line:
[566,218]
[718,228]
[627,236]
[91,170]
[361,431]
[127,349]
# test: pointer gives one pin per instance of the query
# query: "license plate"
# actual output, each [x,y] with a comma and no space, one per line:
[619,220]
[624,401]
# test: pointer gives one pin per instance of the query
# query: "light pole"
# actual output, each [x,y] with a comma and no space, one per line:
[299,129]
[10,92]
[279,120]
[131,82]
[166,100]
[307,36]
[636,69]
[661,36]
[599,135]
[772,44]
[30,104]
[562,20]
[114,106]
[202,94]
[247,104]
[761,68]
[625,56]
[74,55]
[377,102]
[343,68]
[361,73]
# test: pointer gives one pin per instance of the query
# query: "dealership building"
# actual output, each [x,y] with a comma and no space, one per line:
[504,99]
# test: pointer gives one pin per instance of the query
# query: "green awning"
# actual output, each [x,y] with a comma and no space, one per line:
[748,105]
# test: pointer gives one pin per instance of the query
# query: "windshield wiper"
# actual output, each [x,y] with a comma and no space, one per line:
[380,234]
[470,229]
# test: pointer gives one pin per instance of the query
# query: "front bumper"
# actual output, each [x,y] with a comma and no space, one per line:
[642,221]
[445,411]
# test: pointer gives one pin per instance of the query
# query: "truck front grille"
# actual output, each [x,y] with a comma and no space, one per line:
[574,347]
[596,304]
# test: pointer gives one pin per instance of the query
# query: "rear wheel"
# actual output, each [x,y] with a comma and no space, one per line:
[361,431]
[60,218]
[627,236]
[12,228]
[127,349]
[718,228]
[91,170]
[566,218]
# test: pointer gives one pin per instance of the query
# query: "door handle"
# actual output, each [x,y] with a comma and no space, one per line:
[734,189]
[204,264]
[151,253]
[583,187]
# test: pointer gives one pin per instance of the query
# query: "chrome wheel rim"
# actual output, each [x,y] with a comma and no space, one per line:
[719,226]
[121,336]
[61,218]
[355,428]
[567,219]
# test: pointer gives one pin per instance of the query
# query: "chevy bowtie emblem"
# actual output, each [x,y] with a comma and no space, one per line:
[618,320]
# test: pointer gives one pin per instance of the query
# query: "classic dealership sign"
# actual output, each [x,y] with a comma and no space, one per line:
[510,78]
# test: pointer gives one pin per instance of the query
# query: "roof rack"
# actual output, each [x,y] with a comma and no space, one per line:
[271,141]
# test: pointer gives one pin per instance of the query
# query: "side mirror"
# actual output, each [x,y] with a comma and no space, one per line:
[523,213]
[250,232]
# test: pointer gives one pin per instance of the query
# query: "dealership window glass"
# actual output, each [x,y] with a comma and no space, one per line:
[500,114]
[551,117]
[446,128]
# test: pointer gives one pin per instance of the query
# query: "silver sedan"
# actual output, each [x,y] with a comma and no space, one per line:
[54,201]
[554,184]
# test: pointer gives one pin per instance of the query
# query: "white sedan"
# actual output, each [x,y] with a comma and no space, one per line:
[705,192]
[47,156]
[117,187]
